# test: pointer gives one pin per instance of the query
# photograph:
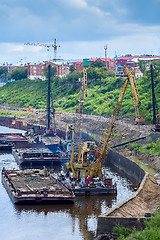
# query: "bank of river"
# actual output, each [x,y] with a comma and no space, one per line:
[74,221]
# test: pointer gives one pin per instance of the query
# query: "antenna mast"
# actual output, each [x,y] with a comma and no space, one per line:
[105,48]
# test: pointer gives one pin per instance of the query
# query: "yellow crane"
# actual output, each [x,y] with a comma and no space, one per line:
[82,167]
[138,120]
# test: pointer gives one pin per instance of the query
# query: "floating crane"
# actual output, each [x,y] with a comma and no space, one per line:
[82,166]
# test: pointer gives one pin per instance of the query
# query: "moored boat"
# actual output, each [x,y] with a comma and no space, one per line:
[87,186]
[32,157]
[35,186]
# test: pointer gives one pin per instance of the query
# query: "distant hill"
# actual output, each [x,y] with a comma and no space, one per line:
[103,92]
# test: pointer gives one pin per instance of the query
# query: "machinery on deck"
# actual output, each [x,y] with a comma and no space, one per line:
[82,165]
[69,139]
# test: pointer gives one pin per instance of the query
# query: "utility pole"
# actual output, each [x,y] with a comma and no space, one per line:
[105,48]
[54,45]
[153,97]
[48,98]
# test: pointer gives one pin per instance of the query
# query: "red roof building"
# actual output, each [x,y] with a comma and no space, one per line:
[110,63]
[36,71]
[133,64]
[78,65]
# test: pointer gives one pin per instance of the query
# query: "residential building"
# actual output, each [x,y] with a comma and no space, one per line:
[35,71]
[133,64]
[110,63]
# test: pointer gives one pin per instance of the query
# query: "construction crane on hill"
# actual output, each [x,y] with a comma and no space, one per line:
[48,46]
[138,120]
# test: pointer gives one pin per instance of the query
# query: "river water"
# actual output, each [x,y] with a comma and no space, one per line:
[55,222]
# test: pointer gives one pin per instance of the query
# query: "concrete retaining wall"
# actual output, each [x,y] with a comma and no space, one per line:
[106,223]
[126,166]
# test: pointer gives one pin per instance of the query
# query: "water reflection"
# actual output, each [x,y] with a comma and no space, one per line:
[84,209]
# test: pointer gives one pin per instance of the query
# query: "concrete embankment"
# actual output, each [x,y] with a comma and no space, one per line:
[129,168]
[133,211]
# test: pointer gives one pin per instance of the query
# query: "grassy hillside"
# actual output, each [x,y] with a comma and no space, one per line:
[103,94]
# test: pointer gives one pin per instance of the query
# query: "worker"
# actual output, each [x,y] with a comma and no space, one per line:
[82,181]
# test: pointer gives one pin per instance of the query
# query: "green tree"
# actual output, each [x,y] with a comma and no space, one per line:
[128,55]
[72,69]
[156,67]
[53,72]
[91,73]
[73,77]
[19,73]
[98,63]
[4,73]
[142,65]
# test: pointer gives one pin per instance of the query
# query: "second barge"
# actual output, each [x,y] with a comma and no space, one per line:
[32,157]
[35,186]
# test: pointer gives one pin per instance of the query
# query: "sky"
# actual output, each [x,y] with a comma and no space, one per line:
[81,27]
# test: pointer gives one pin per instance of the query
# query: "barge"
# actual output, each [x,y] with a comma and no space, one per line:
[91,187]
[8,140]
[93,190]
[35,186]
[32,157]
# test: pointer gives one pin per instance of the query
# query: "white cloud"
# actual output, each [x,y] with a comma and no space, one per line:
[16,48]
[77,3]
[82,26]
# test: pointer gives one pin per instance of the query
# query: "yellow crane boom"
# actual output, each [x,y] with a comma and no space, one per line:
[82,166]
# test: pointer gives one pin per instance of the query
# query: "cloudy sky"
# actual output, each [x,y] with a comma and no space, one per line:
[82,28]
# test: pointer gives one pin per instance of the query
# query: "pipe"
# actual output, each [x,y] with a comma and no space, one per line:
[134,140]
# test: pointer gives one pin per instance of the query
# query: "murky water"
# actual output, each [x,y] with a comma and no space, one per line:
[68,221]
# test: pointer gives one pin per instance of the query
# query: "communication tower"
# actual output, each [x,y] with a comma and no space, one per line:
[105,48]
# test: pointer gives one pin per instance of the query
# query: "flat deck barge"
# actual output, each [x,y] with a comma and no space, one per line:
[34,186]
[32,157]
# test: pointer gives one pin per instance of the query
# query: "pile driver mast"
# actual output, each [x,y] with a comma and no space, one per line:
[82,166]
[83,94]
[50,128]
[156,116]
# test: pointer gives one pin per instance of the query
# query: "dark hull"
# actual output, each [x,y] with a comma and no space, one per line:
[94,191]
[35,161]
[5,148]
